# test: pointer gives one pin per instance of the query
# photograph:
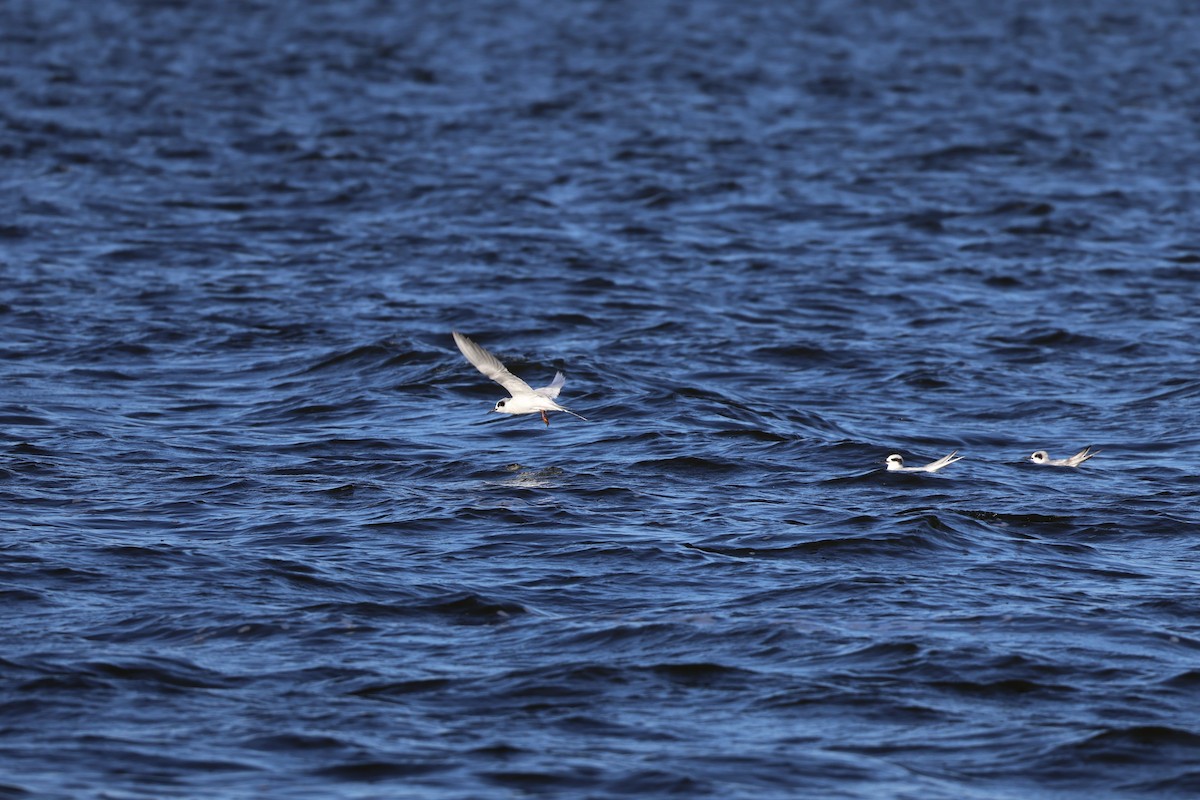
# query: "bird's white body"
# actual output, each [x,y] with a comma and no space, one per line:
[1043,458]
[523,398]
[896,464]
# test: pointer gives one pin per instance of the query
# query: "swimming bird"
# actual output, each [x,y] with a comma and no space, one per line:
[896,464]
[1042,457]
[523,400]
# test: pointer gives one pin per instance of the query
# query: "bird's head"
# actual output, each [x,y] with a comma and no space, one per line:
[894,461]
[1040,457]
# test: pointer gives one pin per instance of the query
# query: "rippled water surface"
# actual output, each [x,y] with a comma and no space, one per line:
[259,536]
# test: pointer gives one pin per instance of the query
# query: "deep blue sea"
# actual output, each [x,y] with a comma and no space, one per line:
[260,536]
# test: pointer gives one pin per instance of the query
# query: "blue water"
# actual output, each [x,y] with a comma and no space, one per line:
[260,537]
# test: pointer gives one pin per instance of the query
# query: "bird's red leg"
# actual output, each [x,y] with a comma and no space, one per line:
[545,419]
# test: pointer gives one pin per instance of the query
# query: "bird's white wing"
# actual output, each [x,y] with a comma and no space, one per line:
[1080,457]
[489,365]
[942,462]
[554,388]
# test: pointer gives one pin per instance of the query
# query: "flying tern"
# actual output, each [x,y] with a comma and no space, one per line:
[523,400]
[896,464]
[1042,457]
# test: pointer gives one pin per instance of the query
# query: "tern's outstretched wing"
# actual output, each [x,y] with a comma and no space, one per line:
[489,365]
[553,389]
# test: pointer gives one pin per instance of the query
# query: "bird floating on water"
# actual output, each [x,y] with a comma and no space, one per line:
[1043,458]
[896,464]
[524,399]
